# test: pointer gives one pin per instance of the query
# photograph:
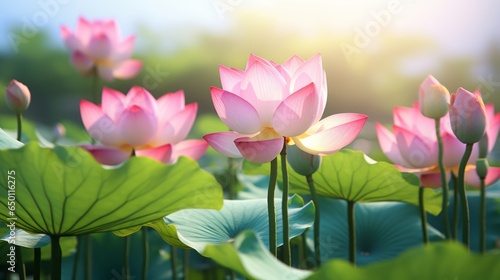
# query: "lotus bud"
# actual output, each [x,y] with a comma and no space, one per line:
[58,131]
[482,168]
[433,98]
[17,96]
[467,116]
[483,146]
[302,162]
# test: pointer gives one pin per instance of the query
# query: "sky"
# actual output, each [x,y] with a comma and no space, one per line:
[460,26]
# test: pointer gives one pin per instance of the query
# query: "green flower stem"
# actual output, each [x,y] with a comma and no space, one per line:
[352,232]
[232,275]
[444,184]
[19,117]
[38,264]
[231,178]
[88,256]
[302,251]
[456,198]
[56,255]
[173,261]
[463,195]
[482,218]
[19,256]
[186,263]
[79,248]
[284,208]
[271,211]
[423,215]
[145,249]
[314,197]
[126,256]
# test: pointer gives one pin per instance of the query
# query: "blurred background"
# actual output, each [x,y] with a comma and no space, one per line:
[375,53]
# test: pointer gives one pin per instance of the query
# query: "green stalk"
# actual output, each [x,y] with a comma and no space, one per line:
[456,199]
[352,231]
[423,215]
[231,179]
[126,256]
[482,219]
[463,195]
[287,259]
[312,190]
[19,118]
[22,274]
[173,261]
[186,263]
[271,209]
[38,264]
[88,256]
[55,261]
[19,255]
[145,247]
[79,248]
[302,250]
[444,184]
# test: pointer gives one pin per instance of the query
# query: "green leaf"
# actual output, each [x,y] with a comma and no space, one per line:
[167,232]
[348,175]
[255,187]
[9,122]
[384,230]
[74,135]
[107,258]
[67,243]
[197,228]
[442,260]
[64,191]
[492,219]
[7,142]
[27,240]
[248,256]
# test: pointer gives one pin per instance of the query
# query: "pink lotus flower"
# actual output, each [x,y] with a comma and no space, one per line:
[467,116]
[433,98]
[267,102]
[136,121]
[413,147]
[17,96]
[96,47]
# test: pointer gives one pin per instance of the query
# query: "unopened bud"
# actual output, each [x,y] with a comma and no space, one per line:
[17,96]
[482,168]
[467,116]
[483,146]
[302,162]
[434,98]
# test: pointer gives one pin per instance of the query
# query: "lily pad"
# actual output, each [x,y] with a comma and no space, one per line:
[9,123]
[198,228]
[352,176]
[441,260]
[492,219]
[383,230]
[248,256]
[25,239]
[7,142]
[64,191]
[255,186]
[29,241]
[107,258]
